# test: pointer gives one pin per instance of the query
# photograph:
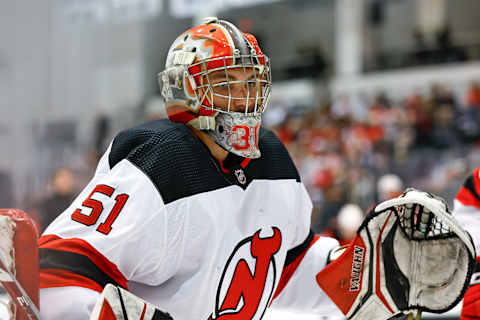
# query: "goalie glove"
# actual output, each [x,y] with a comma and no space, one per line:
[116,303]
[409,254]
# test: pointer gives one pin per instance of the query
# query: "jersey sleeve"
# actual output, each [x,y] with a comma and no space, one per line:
[115,231]
[78,306]
[297,289]
[466,207]
[467,212]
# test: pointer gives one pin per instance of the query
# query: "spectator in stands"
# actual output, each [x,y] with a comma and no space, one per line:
[473,95]
[344,227]
[419,118]
[389,186]
[447,50]
[61,197]
[339,154]
[444,111]
[421,54]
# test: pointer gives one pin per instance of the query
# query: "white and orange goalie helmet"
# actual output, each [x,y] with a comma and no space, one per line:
[192,96]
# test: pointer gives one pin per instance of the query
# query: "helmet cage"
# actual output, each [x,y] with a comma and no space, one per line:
[205,90]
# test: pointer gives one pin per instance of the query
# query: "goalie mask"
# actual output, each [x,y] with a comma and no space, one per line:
[217,79]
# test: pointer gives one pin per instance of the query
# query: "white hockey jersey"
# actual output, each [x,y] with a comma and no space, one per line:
[198,238]
[467,207]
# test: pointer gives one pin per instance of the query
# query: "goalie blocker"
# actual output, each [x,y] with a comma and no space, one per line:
[409,254]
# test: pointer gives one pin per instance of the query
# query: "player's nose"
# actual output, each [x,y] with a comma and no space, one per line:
[244,99]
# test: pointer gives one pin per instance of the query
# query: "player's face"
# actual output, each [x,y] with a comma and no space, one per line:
[242,85]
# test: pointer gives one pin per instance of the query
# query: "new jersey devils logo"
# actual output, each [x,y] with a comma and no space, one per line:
[244,293]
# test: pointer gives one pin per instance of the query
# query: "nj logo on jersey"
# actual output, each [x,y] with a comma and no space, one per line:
[248,279]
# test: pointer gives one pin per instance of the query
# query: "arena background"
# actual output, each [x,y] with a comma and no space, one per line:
[362,89]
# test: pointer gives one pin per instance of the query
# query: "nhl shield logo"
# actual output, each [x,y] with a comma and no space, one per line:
[240,176]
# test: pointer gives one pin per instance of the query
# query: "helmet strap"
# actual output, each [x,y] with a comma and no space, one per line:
[203,123]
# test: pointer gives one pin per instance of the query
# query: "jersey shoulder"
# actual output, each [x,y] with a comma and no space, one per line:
[176,162]
[143,139]
[275,162]
[469,193]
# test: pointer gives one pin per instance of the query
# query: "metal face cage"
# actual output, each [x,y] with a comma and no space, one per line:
[249,92]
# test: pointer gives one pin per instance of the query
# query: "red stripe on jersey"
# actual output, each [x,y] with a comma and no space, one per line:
[476,180]
[82,247]
[245,162]
[221,166]
[467,198]
[51,278]
[289,270]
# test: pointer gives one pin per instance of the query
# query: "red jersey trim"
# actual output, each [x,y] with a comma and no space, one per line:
[243,164]
[467,198]
[82,247]
[288,271]
[221,166]
[476,179]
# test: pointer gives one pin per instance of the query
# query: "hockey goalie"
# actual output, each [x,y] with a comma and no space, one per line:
[204,216]
[409,255]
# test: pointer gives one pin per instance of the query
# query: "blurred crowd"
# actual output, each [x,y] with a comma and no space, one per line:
[351,153]
[361,150]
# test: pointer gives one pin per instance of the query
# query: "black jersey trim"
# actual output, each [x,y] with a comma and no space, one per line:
[477,267]
[74,262]
[294,253]
[470,185]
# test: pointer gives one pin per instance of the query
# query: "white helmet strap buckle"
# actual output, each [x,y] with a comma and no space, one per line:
[203,123]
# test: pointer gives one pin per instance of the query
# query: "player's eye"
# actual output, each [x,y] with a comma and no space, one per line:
[220,88]
[219,82]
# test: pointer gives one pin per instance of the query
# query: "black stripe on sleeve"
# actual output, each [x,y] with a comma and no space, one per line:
[470,185]
[74,262]
[294,253]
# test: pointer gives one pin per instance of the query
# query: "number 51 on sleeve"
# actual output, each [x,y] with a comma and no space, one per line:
[97,209]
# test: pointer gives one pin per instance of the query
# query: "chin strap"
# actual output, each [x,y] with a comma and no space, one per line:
[203,123]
